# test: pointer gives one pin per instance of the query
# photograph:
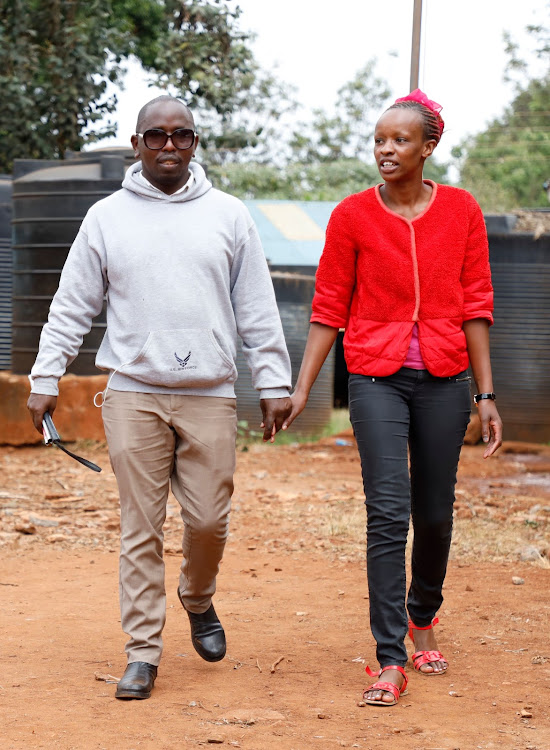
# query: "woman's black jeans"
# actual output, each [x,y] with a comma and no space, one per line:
[429,415]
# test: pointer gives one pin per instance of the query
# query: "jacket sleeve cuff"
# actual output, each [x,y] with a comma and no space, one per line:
[274,393]
[44,386]
[333,322]
[474,314]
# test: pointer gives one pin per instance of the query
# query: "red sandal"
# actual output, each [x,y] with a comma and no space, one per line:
[419,658]
[388,687]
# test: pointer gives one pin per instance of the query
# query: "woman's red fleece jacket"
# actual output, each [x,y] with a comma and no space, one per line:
[380,273]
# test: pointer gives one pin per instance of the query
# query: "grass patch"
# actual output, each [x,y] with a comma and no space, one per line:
[339,422]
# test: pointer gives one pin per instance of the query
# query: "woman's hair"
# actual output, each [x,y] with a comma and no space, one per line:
[432,121]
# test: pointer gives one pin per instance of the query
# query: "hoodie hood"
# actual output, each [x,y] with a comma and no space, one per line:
[201,185]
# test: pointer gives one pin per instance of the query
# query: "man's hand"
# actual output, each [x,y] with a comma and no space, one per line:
[274,411]
[38,405]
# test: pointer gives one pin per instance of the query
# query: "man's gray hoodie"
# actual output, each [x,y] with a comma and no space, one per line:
[182,275]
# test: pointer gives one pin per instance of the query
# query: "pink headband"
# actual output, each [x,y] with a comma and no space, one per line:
[419,96]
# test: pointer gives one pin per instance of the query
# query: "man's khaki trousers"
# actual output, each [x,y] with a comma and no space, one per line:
[159,441]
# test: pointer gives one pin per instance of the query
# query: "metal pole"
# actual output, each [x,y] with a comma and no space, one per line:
[415,48]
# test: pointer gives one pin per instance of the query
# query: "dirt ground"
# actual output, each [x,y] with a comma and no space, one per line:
[292,596]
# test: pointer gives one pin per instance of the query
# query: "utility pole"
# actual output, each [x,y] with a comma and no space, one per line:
[415,47]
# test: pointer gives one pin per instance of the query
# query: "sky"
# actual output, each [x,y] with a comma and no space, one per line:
[319,45]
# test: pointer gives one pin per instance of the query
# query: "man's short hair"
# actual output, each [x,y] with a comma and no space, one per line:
[163,98]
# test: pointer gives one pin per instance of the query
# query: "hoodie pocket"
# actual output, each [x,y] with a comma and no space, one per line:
[182,357]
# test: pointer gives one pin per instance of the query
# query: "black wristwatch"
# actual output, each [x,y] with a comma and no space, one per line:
[481,396]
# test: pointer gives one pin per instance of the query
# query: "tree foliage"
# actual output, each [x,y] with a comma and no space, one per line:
[203,54]
[54,68]
[58,56]
[313,181]
[346,131]
[254,130]
[325,159]
[506,165]
[206,59]
[320,181]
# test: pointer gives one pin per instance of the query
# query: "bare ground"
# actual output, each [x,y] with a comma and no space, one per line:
[292,595]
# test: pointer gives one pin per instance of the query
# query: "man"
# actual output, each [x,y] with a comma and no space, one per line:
[183,272]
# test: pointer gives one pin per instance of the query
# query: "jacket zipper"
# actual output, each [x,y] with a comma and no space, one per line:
[415,272]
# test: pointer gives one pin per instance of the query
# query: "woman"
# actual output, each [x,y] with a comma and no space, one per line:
[405,271]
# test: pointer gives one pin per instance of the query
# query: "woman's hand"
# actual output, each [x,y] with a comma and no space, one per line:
[477,342]
[299,401]
[491,426]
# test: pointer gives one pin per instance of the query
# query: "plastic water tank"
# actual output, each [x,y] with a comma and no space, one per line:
[5,271]
[48,207]
[520,338]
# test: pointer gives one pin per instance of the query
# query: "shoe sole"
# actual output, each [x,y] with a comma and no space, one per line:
[128,695]
[383,704]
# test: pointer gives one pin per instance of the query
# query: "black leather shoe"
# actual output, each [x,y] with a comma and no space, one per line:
[137,681]
[207,634]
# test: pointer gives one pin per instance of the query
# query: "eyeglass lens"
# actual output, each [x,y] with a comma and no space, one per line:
[156,139]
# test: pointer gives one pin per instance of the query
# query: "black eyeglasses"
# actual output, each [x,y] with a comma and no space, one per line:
[155,139]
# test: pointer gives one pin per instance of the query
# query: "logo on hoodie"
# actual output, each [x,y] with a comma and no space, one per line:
[183,363]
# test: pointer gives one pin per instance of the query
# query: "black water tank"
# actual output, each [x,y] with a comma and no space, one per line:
[48,208]
[294,293]
[5,271]
[520,338]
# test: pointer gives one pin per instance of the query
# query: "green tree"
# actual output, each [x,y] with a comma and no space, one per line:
[55,65]
[314,181]
[57,58]
[319,181]
[327,159]
[143,24]
[253,129]
[346,131]
[203,53]
[205,58]
[506,165]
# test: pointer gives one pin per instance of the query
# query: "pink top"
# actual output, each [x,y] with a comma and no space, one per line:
[414,357]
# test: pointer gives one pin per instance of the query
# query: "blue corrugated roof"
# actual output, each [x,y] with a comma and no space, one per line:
[292,232]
